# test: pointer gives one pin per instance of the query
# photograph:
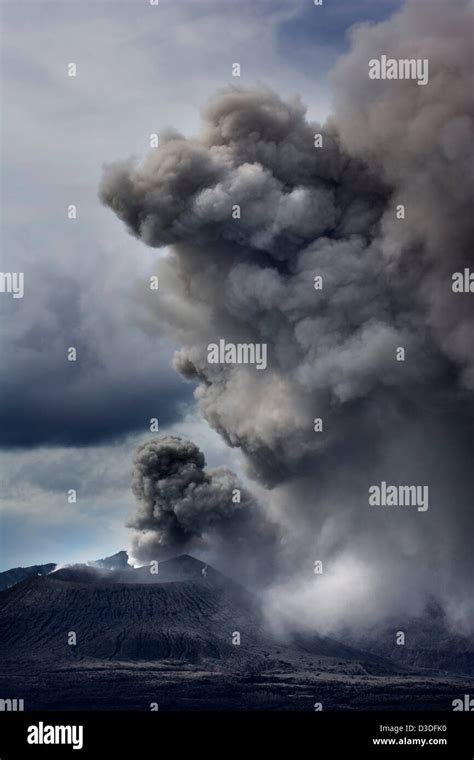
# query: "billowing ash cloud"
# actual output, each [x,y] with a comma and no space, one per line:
[332,212]
[182,506]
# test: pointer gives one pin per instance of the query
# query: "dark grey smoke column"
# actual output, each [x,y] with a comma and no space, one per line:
[332,212]
[181,506]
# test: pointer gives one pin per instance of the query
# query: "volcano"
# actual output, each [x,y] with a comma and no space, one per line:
[109,636]
[188,613]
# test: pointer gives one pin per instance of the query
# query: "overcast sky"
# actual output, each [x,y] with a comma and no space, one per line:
[140,69]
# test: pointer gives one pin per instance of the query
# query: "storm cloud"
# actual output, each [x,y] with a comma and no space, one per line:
[333,212]
[88,302]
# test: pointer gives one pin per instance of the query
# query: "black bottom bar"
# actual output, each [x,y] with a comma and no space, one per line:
[315,735]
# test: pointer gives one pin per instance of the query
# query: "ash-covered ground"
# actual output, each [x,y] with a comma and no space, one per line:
[145,641]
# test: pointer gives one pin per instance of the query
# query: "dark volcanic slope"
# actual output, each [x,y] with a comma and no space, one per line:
[430,643]
[182,619]
[17,574]
[169,640]
[120,559]
[191,620]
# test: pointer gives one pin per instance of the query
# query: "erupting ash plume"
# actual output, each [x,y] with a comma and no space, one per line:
[331,212]
[182,506]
